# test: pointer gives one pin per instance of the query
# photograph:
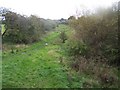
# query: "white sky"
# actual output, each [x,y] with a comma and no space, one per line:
[53,9]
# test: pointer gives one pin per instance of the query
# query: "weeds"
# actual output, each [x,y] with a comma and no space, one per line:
[97,69]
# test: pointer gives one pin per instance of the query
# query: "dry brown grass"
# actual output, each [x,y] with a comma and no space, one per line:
[98,69]
[7,47]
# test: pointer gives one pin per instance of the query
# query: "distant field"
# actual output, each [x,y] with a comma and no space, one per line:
[3,28]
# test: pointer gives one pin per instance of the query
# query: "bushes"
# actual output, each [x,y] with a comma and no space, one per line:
[76,48]
[48,24]
[22,29]
[99,32]
[63,36]
[96,69]
[96,37]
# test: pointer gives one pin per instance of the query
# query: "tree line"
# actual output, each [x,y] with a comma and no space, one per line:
[23,29]
[96,34]
[93,47]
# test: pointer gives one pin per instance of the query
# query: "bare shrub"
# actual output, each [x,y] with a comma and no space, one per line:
[97,69]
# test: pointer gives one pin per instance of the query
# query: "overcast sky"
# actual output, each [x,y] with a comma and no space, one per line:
[53,9]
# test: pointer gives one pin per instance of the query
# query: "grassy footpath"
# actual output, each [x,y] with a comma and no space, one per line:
[45,66]
[37,65]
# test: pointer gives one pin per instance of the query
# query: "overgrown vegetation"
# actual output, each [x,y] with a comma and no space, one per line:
[37,65]
[78,53]
[99,32]
[63,36]
[93,47]
[22,29]
[50,66]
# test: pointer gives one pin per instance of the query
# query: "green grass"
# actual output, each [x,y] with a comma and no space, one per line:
[36,65]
